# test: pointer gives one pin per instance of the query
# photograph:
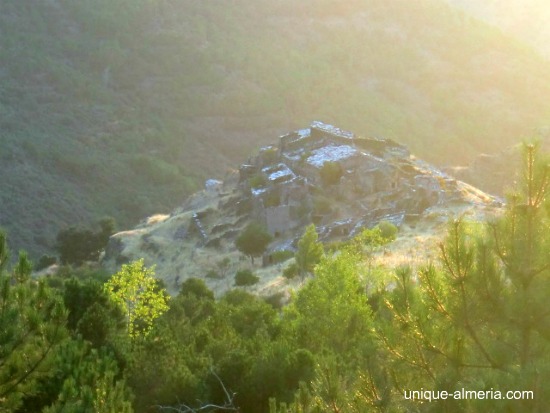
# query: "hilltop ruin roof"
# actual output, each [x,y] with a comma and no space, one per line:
[332,130]
[330,153]
[279,173]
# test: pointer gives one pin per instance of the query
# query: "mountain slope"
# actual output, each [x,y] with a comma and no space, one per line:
[341,182]
[525,19]
[120,107]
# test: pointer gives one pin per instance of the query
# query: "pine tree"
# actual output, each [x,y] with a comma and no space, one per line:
[310,251]
[90,382]
[32,324]
[479,319]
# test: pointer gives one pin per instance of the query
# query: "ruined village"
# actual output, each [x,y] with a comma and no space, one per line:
[335,179]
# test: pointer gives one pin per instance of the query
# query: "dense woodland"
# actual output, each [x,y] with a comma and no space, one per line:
[354,338]
[121,108]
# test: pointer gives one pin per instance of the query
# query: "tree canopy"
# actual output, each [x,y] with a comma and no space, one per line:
[135,290]
[253,241]
[310,251]
[76,246]
[357,337]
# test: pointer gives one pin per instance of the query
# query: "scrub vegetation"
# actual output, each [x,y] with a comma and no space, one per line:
[355,338]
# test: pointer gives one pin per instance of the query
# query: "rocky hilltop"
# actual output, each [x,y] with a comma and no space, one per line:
[340,181]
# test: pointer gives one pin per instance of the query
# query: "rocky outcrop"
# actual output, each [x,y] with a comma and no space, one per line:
[340,181]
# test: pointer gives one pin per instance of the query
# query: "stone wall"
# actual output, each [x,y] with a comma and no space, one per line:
[278,220]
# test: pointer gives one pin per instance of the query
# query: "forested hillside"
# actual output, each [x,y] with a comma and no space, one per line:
[122,107]
[465,333]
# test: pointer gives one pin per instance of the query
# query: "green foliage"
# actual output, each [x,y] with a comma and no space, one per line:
[78,245]
[330,317]
[90,312]
[310,251]
[329,391]
[32,321]
[90,382]
[213,274]
[275,300]
[223,266]
[291,271]
[134,290]
[248,315]
[120,108]
[388,231]
[272,198]
[78,296]
[330,173]
[253,241]
[41,368]
[281,256]
[107,227]
[346,342]
[330,311]
[4,251]
[245,278]
[367,242]
[169,351]
[21,273]
[234,340]
[195,301]
[155,170]
[477,319]
[97,324]
[44,262]
[257,181]
[270,155]
[197,288]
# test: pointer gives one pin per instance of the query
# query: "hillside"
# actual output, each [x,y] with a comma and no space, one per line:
[121,107]
[525,19]
[339,181]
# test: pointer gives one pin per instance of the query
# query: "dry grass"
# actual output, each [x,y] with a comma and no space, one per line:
[177,259]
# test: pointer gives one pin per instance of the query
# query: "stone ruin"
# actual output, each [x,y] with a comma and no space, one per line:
[324,175]
[375,179]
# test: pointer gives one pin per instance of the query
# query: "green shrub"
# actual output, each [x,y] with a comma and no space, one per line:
[245,277]
[213,274]
[223,266]
[257,181]
[270,155]
[253,241]
[291,271]
[387,230]
[196,287]
[275,300]
[281,256]
[331,172]
[334,246]
[44,262]
[76,245]
[272,199]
